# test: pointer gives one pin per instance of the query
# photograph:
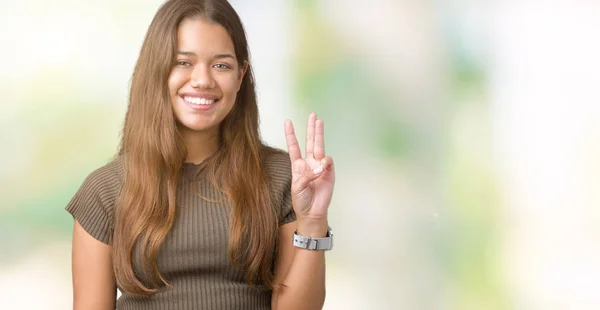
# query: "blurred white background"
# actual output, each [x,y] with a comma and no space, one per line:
[466,136]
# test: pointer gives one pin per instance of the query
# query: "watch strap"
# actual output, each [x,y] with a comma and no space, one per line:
[309,243]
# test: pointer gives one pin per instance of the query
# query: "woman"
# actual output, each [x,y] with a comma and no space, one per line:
[196,212]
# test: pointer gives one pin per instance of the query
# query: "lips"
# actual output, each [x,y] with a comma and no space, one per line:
[198,100]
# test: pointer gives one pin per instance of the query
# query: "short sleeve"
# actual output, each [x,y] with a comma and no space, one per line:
[288,214]
[280,168]
[93,204]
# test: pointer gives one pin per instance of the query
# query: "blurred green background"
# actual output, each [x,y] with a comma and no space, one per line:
[466,136]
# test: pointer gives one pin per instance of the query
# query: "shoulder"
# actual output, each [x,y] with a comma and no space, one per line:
[111,171]
[279,167]
[102,186]
[106,179]
[93,204]
[278,164]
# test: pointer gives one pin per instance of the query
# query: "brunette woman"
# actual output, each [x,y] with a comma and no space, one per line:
[195,211]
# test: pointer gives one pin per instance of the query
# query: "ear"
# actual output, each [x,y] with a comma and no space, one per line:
[243,70]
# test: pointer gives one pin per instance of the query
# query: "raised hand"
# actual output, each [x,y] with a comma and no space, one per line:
[313,177]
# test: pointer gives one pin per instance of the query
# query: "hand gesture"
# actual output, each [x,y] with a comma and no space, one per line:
[313,177]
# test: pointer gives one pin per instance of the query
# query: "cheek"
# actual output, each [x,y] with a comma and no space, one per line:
[230,85]
[176,81]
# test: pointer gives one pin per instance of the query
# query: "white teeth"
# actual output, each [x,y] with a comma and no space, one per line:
[196,100]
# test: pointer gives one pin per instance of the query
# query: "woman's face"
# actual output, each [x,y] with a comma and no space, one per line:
[205,78]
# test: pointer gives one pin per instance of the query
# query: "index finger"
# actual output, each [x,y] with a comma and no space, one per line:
[310,134]
[319,149]
[292,142]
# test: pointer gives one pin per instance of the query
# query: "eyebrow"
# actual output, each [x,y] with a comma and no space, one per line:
[218,56]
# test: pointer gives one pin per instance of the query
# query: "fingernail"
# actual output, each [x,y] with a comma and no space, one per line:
[318,169]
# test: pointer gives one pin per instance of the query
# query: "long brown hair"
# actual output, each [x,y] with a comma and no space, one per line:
[153,153]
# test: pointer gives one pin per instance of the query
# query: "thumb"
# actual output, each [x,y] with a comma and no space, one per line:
[303,174]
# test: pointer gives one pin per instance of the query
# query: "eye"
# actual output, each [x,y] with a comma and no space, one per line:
[222,66]
[183,63]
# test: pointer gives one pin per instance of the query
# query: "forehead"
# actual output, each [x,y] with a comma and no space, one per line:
[203,37]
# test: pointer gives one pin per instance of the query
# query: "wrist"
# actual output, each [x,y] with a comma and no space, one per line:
[315,228]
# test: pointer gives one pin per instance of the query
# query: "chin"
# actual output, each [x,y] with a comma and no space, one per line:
[198,127]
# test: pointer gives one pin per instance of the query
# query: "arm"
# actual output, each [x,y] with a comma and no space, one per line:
[302,272]
[94,285]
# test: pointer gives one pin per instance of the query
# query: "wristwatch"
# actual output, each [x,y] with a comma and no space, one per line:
[309,243]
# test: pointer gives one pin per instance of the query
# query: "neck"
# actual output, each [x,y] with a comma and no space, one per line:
[199,145]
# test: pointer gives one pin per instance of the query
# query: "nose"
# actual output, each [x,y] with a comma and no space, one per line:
[202,77]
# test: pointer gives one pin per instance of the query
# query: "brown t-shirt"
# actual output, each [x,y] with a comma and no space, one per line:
[194,255]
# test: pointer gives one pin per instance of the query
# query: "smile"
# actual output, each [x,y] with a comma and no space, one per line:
[198,100]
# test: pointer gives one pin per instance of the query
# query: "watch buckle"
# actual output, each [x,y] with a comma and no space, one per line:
[308,244]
